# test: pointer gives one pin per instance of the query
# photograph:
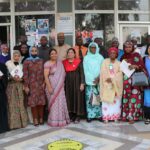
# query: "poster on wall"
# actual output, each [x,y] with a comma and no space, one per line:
[65,23]
[31,40]
[35,29]
[43,26]
[30,26]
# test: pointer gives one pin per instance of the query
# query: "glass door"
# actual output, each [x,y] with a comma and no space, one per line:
[127,31]
[5,36]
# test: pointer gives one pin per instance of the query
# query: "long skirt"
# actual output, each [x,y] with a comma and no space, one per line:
[17,115]
[112,111]
[58,113]
[132,101]
[92,111]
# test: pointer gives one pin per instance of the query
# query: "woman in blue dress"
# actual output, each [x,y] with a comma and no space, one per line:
[92,64]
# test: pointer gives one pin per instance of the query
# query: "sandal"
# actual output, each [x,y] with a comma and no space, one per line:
[77,120]
[36,123]
[131,121]
[105,121]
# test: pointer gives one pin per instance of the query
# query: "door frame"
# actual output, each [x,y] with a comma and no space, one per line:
[121,25]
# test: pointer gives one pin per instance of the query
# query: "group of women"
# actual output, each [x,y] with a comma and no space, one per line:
[71,88]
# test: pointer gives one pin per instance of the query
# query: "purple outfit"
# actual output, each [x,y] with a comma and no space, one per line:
[4,59]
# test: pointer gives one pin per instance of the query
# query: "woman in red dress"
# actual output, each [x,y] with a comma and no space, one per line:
[33,70]
[132,98]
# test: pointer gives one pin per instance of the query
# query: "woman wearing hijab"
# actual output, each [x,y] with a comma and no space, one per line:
[111,86]
[74,86]
[132,95]
[92,63]
[17,115]
[33,70]
[3,99]
[54,74]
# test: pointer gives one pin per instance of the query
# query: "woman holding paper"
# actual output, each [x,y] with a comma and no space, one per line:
[132,98]
[17,115]
[111,87]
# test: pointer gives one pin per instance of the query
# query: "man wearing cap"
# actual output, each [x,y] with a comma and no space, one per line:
[61,47]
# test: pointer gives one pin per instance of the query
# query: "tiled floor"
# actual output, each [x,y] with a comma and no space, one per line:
[93,136]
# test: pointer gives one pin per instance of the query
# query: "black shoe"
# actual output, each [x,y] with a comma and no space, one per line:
[89,120]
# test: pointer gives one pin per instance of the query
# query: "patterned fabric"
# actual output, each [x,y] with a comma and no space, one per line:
[112,111]
[34,79]
[132,98]
[58,113]
[17,115]
[132,101]
[92,111]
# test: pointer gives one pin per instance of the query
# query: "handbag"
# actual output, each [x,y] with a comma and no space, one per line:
[95,99]
[139,79]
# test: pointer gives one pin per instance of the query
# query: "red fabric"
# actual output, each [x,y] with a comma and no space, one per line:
[113,49]
[71,66]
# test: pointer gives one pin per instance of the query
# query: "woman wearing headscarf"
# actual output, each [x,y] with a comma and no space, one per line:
[92,64]
[74,86]
[17,114]
[3,99]
[33,70]
[132,98]
[54,74]
[111,87]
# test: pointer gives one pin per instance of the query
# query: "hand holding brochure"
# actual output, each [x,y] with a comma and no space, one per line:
[124,66]
[17,72]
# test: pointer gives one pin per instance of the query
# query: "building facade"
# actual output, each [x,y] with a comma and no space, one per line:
[91,18]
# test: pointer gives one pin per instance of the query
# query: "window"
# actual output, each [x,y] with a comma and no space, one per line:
[4,19]
[34,5]
[33,32]
[5,6]
[94,4]
[101,25]
[139,5]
